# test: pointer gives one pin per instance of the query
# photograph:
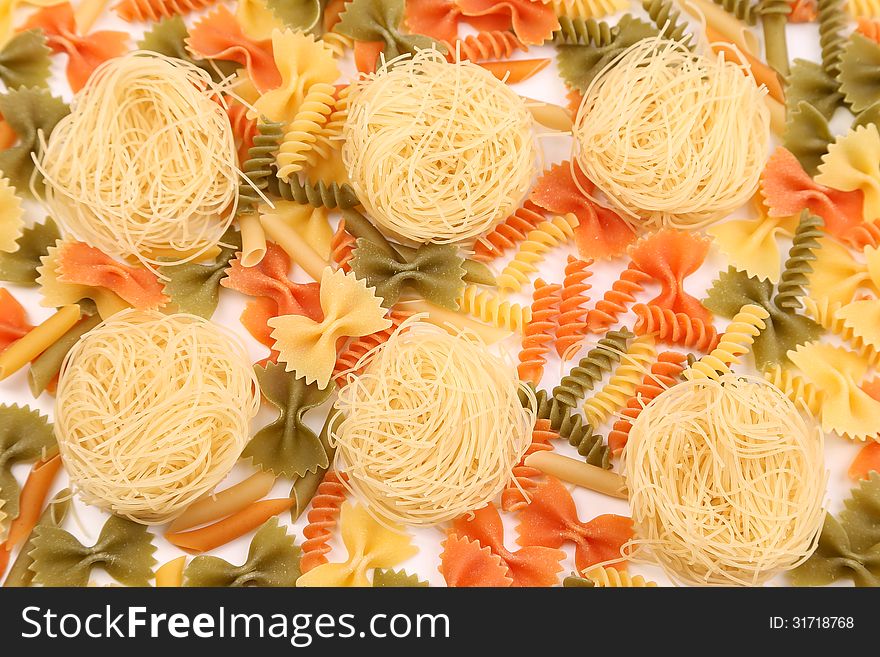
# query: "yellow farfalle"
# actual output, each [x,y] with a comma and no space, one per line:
[862,318]
[847,409]
[369,544]
[853,163]
[256,19]
[310,222]
[351,309]
[750,244]
[837,276]
[11,216]
[302,62]
[58,293]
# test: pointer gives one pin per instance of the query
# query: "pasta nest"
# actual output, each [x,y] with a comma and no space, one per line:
[672,137]
[437,151]
[433,427]
[152,411]
[726,482]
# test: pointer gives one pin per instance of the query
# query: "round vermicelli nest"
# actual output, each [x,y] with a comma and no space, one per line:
[672,137]
[726,482]
[437,151]
[152,411]
[432,428]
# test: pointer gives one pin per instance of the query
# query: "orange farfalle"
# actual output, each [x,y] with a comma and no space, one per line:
[464,563]
[788,189]
[804,11]
[437,19]
[600,233]
[532,21]
[13,319]
[869,28]
[276,293]
[366,55]
[219,36]
[85,53]
[865,462]
[82,264]
[669,256]
[551,520]
[528,566]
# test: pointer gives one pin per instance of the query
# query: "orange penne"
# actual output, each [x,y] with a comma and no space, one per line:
[866,461]
[227,502]
[228,529]
[517,70]
[33,496]
[762,73]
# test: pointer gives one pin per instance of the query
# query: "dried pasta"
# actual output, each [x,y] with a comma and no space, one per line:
[538,242]
[109,452]
[492,308]
[620,387]
[447,378]
[572,321]
[851,164]
[539,330]
[761,516]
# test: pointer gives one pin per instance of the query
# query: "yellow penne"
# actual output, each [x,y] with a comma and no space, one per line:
[550,116]
[726,24]
[253,240]
[219,505]
[37,340]
[579,473]
[171,573]
[444,318]
[294,245]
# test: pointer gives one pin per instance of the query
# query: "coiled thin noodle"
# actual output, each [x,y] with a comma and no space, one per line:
[437,151]
[145,161]
[433,427]
[670,137]
[726,482]
[152,412]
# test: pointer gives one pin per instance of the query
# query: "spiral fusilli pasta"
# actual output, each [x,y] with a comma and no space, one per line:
[796,388]
[524,481]
[797,269]
[257,168]
[587,8]
[583,32]
[572,314]
[675,328]
[508,233]
[538,332]
[546,236]
[736,341]
[613,578]
[323,517]
[620,387]
[617,300]
[317,194]
[495,44]
[493,309]
[666,18]
[302,132]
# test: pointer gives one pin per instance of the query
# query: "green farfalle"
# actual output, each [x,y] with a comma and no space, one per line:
[807,136]
[25,436]
[297,14]
[273,560]
[20,266]
[29,111]
[24,60]
[808,82]
[167,37]
[387,578]
[287,447]
[20,574]
[47,365]
[195,288]
[433,271]
[379,20]
[124,549]
[578,65]
[860,72]
[848,547]
[304,487]
[869,115]
[785,331]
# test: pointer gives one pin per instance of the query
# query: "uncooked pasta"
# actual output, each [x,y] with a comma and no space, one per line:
[145,162]
[437,151]
[671,137]
[726,481]
[152,412]
[433,427]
